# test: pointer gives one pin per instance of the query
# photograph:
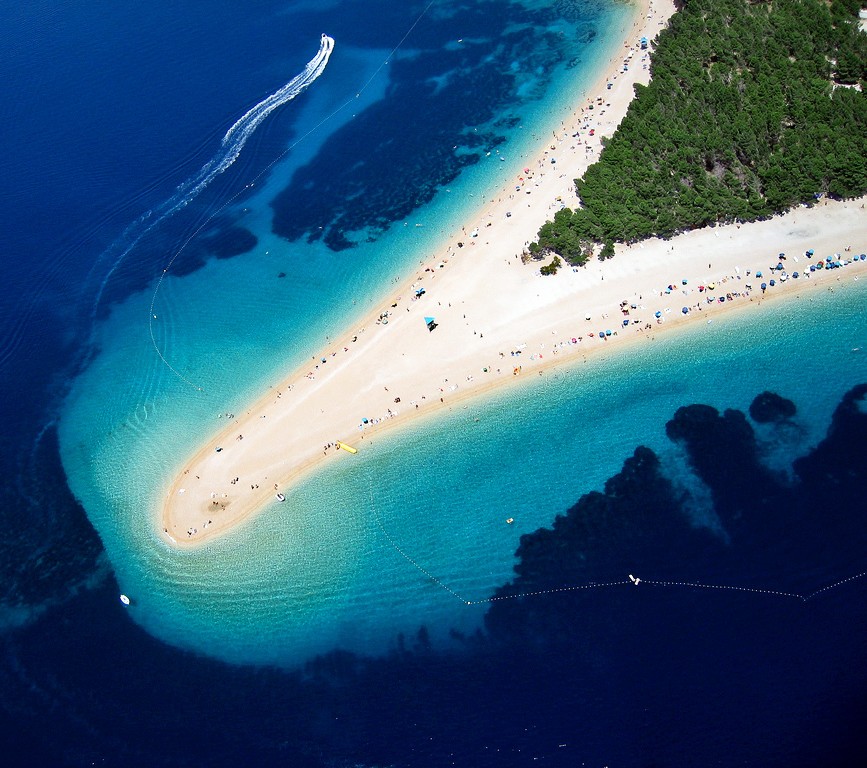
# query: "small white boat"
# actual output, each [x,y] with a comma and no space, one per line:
[281,497]
[124,599]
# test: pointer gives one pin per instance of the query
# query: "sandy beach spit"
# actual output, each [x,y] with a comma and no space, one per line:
[498,320]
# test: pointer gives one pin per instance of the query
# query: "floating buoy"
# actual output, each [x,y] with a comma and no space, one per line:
[124,599]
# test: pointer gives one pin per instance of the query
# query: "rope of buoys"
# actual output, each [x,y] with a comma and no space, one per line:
[631,580]
[697,585]
[403,554]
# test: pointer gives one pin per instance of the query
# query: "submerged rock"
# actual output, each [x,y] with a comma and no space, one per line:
[771,407]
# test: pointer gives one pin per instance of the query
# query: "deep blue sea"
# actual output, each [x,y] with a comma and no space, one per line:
[194,195]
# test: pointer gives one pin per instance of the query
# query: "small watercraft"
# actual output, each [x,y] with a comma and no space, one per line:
[281,497]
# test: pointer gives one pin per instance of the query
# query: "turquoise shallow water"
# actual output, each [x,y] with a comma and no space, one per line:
[347,561]
[305,577]
[111,107]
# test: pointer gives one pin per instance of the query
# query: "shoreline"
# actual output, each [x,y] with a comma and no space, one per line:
[372,374]
[790,293]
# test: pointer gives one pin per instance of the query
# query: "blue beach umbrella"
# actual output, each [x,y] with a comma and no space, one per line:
[759,273]
[685,310]
[773,283]
[764,286]
[658,313]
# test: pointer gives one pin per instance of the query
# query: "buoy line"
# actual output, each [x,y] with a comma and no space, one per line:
[697,585]
[403,554]
[631,580]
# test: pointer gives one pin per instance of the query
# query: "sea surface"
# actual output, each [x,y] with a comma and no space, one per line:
[195,197]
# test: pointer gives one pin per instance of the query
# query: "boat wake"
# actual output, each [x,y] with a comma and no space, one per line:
[236,137]
[230,148]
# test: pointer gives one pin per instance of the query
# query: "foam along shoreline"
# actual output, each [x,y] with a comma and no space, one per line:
[498,320]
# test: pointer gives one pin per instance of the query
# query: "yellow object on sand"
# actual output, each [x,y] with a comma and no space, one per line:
[347,448]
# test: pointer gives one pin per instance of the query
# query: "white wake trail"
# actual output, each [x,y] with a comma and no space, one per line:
[236,137]
[230,148]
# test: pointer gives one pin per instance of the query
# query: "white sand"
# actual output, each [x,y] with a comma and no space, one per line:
[488,305]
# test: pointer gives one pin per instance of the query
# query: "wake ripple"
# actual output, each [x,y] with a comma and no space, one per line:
[230,148]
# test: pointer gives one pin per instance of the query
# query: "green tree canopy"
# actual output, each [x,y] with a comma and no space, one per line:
[749,112]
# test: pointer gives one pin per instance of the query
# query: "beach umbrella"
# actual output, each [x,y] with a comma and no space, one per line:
[607,332]
[773,283]
[658,313]
[759,273]
[364,421]
[683,282]
[810,252]
[685,310]
[764,286]
[795,275]
[863,256]
[625,323]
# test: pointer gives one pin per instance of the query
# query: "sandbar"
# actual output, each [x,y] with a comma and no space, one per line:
[498,320]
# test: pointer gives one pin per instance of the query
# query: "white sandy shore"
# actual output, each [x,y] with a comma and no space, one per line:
[498,319]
